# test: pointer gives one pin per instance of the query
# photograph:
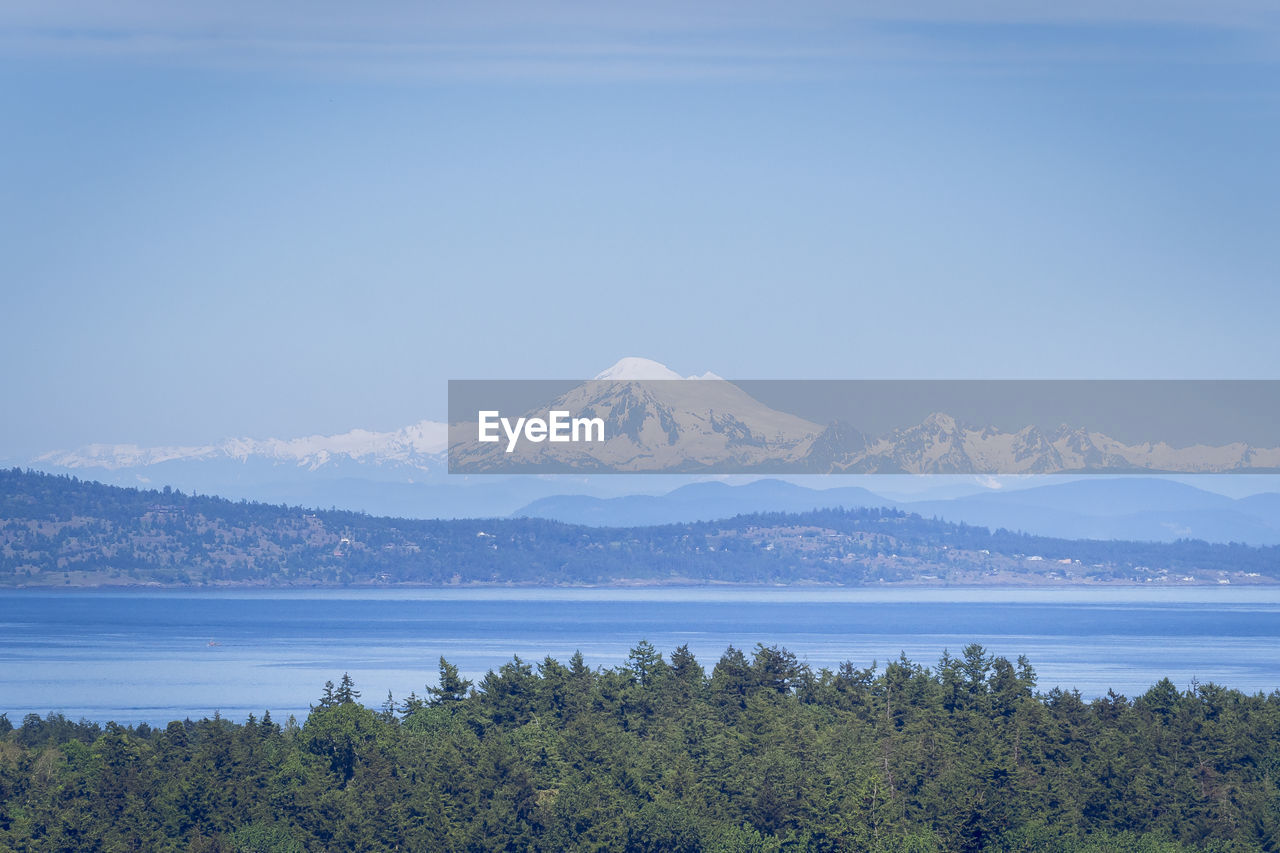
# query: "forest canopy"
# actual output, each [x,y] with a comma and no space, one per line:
[761,753]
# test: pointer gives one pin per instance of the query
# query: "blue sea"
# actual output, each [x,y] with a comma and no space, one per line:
[157,656]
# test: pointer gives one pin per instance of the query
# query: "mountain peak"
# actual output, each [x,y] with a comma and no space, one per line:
[941,421]
[638,368]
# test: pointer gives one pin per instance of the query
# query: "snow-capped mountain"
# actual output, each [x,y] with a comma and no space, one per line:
[943,445]
[655,420]
[418,446]
[645,369]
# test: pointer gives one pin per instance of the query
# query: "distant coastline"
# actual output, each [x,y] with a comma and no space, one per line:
[58,531]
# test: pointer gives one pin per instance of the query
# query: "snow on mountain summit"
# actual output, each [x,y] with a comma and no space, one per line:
[643,369]
[638,368]
[414,447]
[411,446]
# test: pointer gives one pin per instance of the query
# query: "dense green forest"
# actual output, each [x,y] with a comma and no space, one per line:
[57,530]
[655,755]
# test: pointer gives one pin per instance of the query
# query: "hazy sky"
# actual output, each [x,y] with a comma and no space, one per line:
[281,219]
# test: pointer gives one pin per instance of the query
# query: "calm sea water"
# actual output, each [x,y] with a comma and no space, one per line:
[159,656]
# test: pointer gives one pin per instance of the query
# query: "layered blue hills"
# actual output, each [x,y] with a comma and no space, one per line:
[1135,508]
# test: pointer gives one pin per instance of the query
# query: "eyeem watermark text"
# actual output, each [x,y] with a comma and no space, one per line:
[557,426]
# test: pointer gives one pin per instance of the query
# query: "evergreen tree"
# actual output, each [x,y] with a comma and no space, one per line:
[347,692]
[452,687]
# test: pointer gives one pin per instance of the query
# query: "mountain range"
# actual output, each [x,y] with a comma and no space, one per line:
[655,425]
[710,425]
[1135,508]
[416,447]
[689,426]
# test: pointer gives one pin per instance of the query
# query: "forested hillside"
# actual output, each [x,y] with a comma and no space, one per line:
[58,530]
[762,755]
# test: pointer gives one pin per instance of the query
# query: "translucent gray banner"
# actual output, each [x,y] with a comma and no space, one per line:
[716,426]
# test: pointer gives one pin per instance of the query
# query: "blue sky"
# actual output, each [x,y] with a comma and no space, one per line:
[281,219]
